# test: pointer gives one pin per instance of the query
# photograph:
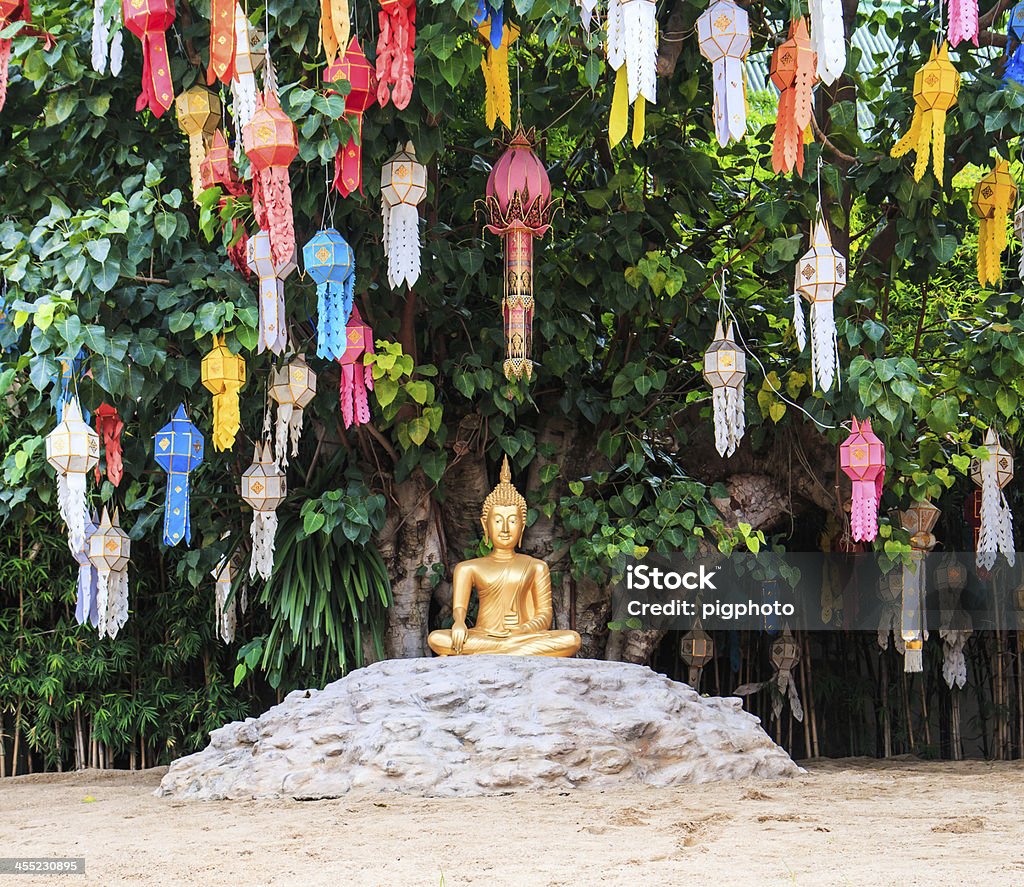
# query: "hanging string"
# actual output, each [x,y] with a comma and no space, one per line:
[725,310]
[820,213]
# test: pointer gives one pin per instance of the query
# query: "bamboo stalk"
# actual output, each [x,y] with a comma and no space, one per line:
[1020,703]
[58,748]
[3,746]
[883,676]
[924,713]
[804,695]
[904,686]
[17,739]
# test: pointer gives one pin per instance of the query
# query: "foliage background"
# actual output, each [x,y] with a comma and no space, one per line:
[101,247]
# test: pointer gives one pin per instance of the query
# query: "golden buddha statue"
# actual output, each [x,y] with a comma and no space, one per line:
[514,590]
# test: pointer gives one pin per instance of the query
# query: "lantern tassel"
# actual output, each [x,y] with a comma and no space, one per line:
[395,45]
[226,416]
[272,333]
[5,63]
[117,602]
[222,41]
[402,244]
[281,429]
[72,507]
[102,599]
[117,52]
[828,39]
[263,531]
[963,21]
[864,511]
[824,344]
[225,615]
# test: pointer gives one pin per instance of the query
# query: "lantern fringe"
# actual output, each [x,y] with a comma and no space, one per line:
[799,324]
[828,39]
[243,105]
[954,662]
[729,408]
[395,45]
[587,9]
[996,534]
[102,599]
[334,306]
[824,344]
[963,21]
[226,416]
[282,430]
[272,205]
[334,27]
[402,243]
[72,507]
[273,332]
[730,101]
[196,154]
[263,531]
[864,511]
[100,34]
[225,612]
[117,52]
[356,381]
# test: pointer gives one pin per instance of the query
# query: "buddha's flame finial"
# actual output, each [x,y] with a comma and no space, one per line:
[504,493]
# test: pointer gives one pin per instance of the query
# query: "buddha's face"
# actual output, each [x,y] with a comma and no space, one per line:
[504,527]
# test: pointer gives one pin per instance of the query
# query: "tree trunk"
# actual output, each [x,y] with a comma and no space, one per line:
[410,545]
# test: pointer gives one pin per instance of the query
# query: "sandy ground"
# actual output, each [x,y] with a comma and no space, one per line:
[854,822]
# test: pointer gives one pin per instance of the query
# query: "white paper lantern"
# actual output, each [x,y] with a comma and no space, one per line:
[403,185]
[264,487]
[72,448]
[109,552]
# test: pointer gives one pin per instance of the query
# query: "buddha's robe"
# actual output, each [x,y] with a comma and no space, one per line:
[517,600]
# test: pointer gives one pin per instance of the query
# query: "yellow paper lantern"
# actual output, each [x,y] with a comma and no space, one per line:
[223,374]
[198,112]
[994,197]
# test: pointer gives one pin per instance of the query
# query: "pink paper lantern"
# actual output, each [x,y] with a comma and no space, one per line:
[862,458]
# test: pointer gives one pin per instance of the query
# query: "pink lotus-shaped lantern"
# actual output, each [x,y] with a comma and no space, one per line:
[862,458]
[519,208]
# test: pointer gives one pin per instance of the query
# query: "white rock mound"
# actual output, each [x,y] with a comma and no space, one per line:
[475,725]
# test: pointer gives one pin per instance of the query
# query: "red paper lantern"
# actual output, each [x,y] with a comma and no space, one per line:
[353,67]
[519,205]
[109,428]
[222,41]
[272,143]
[862,458]
[395,47]
[356,378]
[14,11]
[148,20]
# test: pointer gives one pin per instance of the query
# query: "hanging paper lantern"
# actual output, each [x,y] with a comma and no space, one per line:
[222,41]
[395,47]
[725,370]
[793,72]
[919,520]
[696,649]
[828,38]
[785,656]
[248,59]
[224,376]
[272,143]
[633,55]
[178,449]
[992,474]
[224,607]
[724,33]
[198,115]
[994,197]
[862,458]
[148,20]
[497,89]
[820,277]
[890,592]
[72,448]
[334,27]
[1013,73]
[519,207]
[963,21]
[109,551]
[403,185]
[292,388]
[358,73]
[87,586]
[264,487]
[356,377]
[329,260]
[936,86]
[109,428]
[271,274]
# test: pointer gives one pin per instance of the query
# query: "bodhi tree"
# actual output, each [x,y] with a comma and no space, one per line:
[103,252]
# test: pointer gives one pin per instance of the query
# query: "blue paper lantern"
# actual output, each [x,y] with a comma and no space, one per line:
[329,260]
[178,448]
[495,11]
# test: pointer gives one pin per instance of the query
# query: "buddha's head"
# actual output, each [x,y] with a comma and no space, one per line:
[504,513]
